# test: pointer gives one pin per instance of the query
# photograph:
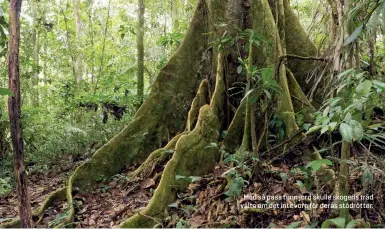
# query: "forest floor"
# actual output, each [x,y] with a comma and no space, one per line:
[203,204]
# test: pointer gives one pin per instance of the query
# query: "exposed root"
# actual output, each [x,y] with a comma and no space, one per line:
[160,155]
[192,157]
[155,158]
[167,109]
[235,129]
[37,215]
[300,101]
[200,100]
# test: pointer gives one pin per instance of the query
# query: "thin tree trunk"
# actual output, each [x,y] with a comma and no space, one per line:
[14,112]
[343,178]
[103,48]
[91,35]
[78,29]
[140,50]
[174,12]
[36,43]
[372,54]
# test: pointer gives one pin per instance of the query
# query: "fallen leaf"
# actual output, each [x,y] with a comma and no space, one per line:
[305,216]
[91,222]
[147,183]
[196,221]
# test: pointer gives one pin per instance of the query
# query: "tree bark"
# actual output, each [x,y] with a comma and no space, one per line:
[174,12]
[78,30]
[35,56]
[140,50]
[14,111]
[174,99]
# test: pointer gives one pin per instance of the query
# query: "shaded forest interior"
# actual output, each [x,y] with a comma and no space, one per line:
[206,113]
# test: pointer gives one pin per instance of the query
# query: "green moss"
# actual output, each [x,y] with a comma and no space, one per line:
[264,25]
[37,215]
[235,130]
[192,157]
[299,99]
[200,100]
[298,43]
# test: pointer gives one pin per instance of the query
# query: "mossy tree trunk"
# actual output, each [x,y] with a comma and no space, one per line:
[189,104]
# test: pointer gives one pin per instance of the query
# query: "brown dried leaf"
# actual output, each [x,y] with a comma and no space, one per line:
[196,221]
[147,183]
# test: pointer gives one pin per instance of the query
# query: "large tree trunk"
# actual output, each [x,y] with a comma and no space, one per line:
[188,105]
[14,111]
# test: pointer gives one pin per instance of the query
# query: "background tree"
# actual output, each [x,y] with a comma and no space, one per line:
[248,86]
[140,50]
[14,109]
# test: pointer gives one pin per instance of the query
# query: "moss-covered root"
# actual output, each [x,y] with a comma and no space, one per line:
[235,130]
[299,99]
[37,215]
[155,158]
[200,100]
[160,155]
[192,157]
[164,112]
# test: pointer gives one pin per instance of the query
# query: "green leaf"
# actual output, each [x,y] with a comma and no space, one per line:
[314,128]
[313,225]
[294,224]
[354,35]
[235,187]
[6,91]
[352,224]
[283,177]
[212,145]
[346,132]
[194,178]
[178,177]
[367,176]
[357,130]
[316,164]
[332,125]
[272,225]
[325,112]
[335,101]
[379,84]
[300,183]
[339,222]
[364,87]
[173,205]
[326,162]
[239,69]
[347,118]
[324,129]
[306,126]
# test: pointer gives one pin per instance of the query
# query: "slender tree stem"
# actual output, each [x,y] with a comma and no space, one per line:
[14,111]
